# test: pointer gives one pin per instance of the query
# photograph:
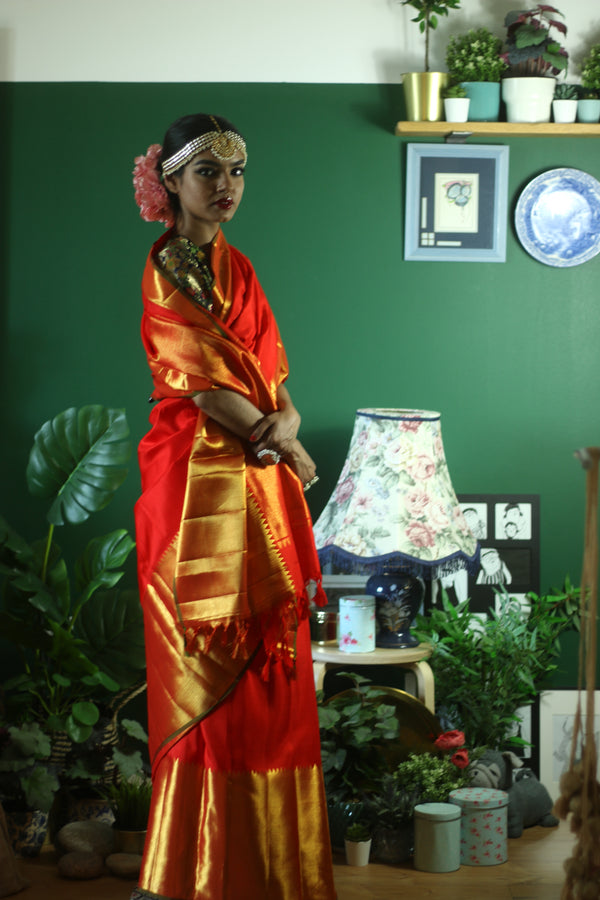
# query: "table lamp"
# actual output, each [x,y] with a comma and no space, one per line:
[394,516]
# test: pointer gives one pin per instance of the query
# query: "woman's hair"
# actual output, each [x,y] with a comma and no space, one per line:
[181,133]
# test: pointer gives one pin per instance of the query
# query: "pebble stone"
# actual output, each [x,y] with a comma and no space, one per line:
[88,837]
[124,865]
[81,865]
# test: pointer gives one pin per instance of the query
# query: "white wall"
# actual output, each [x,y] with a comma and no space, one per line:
[318,41]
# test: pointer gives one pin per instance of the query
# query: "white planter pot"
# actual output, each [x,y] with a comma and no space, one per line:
[564,110]
[588,110]
[357,852]
[528,99]
[456,109]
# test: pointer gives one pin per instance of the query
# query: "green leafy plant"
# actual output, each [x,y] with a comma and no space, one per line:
[429,777]
[392,805]
[75,634]
[27,779]
[358,832]
[453,91]
[485,670]
[531,50]
[130,802]
[475,56]
[428,12]
[590,72]
[564,91]
[355,725]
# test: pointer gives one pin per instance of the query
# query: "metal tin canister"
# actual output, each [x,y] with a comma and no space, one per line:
[483,825]
[356,624]
[437,837]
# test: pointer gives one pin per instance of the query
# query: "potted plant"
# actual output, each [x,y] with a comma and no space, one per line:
[391,808]
[474,663]
[357,844]
[354,728]
[456,103]
[588,107]
[422,90]
[534,56]
[130,802]
[473,59]
[564,103]
[27,785]
[72,631]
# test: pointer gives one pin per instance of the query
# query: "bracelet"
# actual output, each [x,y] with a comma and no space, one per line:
[310,483]
[273,454]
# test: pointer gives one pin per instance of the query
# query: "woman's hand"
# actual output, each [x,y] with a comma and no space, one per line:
[301,463]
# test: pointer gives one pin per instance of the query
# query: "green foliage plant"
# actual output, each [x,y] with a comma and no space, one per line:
[475,56]
[485,670]
[428,12]
[564,91]
[358,832]
[73,631]
[453,91]
[590,73]
[354,727]
[392,805]
[27,779]
[130,802]
[531,49]
[429,778]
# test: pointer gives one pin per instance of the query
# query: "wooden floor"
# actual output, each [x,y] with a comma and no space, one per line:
[534,871]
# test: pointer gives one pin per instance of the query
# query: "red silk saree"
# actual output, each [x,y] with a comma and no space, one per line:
[227,567]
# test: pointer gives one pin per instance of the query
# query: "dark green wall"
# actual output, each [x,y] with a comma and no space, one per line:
[507,352]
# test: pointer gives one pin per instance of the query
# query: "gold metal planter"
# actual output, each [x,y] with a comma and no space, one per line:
[423,95]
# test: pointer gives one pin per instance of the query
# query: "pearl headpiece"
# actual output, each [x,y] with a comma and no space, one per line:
[222,144]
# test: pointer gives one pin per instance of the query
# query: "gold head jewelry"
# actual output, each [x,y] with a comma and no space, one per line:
[222,144]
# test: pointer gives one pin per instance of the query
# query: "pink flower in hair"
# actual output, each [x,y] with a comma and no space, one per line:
[150,193]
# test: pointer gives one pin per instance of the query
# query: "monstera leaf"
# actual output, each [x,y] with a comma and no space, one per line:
[112,628]
[78,460]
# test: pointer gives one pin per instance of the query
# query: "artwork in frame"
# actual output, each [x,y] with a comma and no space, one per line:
[507,527]
[456,203]
[557,717]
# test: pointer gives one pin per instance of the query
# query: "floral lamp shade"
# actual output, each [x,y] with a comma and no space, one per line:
[394,506]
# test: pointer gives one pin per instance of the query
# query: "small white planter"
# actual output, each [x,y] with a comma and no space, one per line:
[588,110]
[357,852]
[528,99]
[456,109]
[564,110]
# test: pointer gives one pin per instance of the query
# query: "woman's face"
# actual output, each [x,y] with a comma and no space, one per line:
[209,191]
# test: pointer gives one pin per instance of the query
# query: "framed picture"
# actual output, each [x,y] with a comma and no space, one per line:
[507,527]
[557,717]
[456,203]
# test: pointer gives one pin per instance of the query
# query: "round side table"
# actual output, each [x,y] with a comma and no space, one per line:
[414,659]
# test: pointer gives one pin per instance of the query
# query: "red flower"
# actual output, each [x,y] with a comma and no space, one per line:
[450,740]
[460,759]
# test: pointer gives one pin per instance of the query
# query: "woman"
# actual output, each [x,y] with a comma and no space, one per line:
[227,563]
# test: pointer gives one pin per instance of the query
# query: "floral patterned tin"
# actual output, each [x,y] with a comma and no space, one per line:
[356,624]
[482,826]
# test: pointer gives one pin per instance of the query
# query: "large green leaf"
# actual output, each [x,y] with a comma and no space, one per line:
[111,625]
[96,566]
[78,460]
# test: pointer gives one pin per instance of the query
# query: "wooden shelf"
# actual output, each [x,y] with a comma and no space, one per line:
[508,129]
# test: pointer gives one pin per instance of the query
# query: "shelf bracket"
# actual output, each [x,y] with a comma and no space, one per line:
[457,137]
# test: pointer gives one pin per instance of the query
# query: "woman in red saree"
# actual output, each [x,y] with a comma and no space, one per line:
[226,557]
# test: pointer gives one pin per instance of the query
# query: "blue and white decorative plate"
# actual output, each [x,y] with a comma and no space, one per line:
[558,217]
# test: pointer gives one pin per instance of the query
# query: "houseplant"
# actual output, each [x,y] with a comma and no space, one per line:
[588,108]
[130,802]
[533,56]
[71,630]
[422,90]
[357,844]
[485,671]
[391,809]
[473,59]
[564,103]
[456,103]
